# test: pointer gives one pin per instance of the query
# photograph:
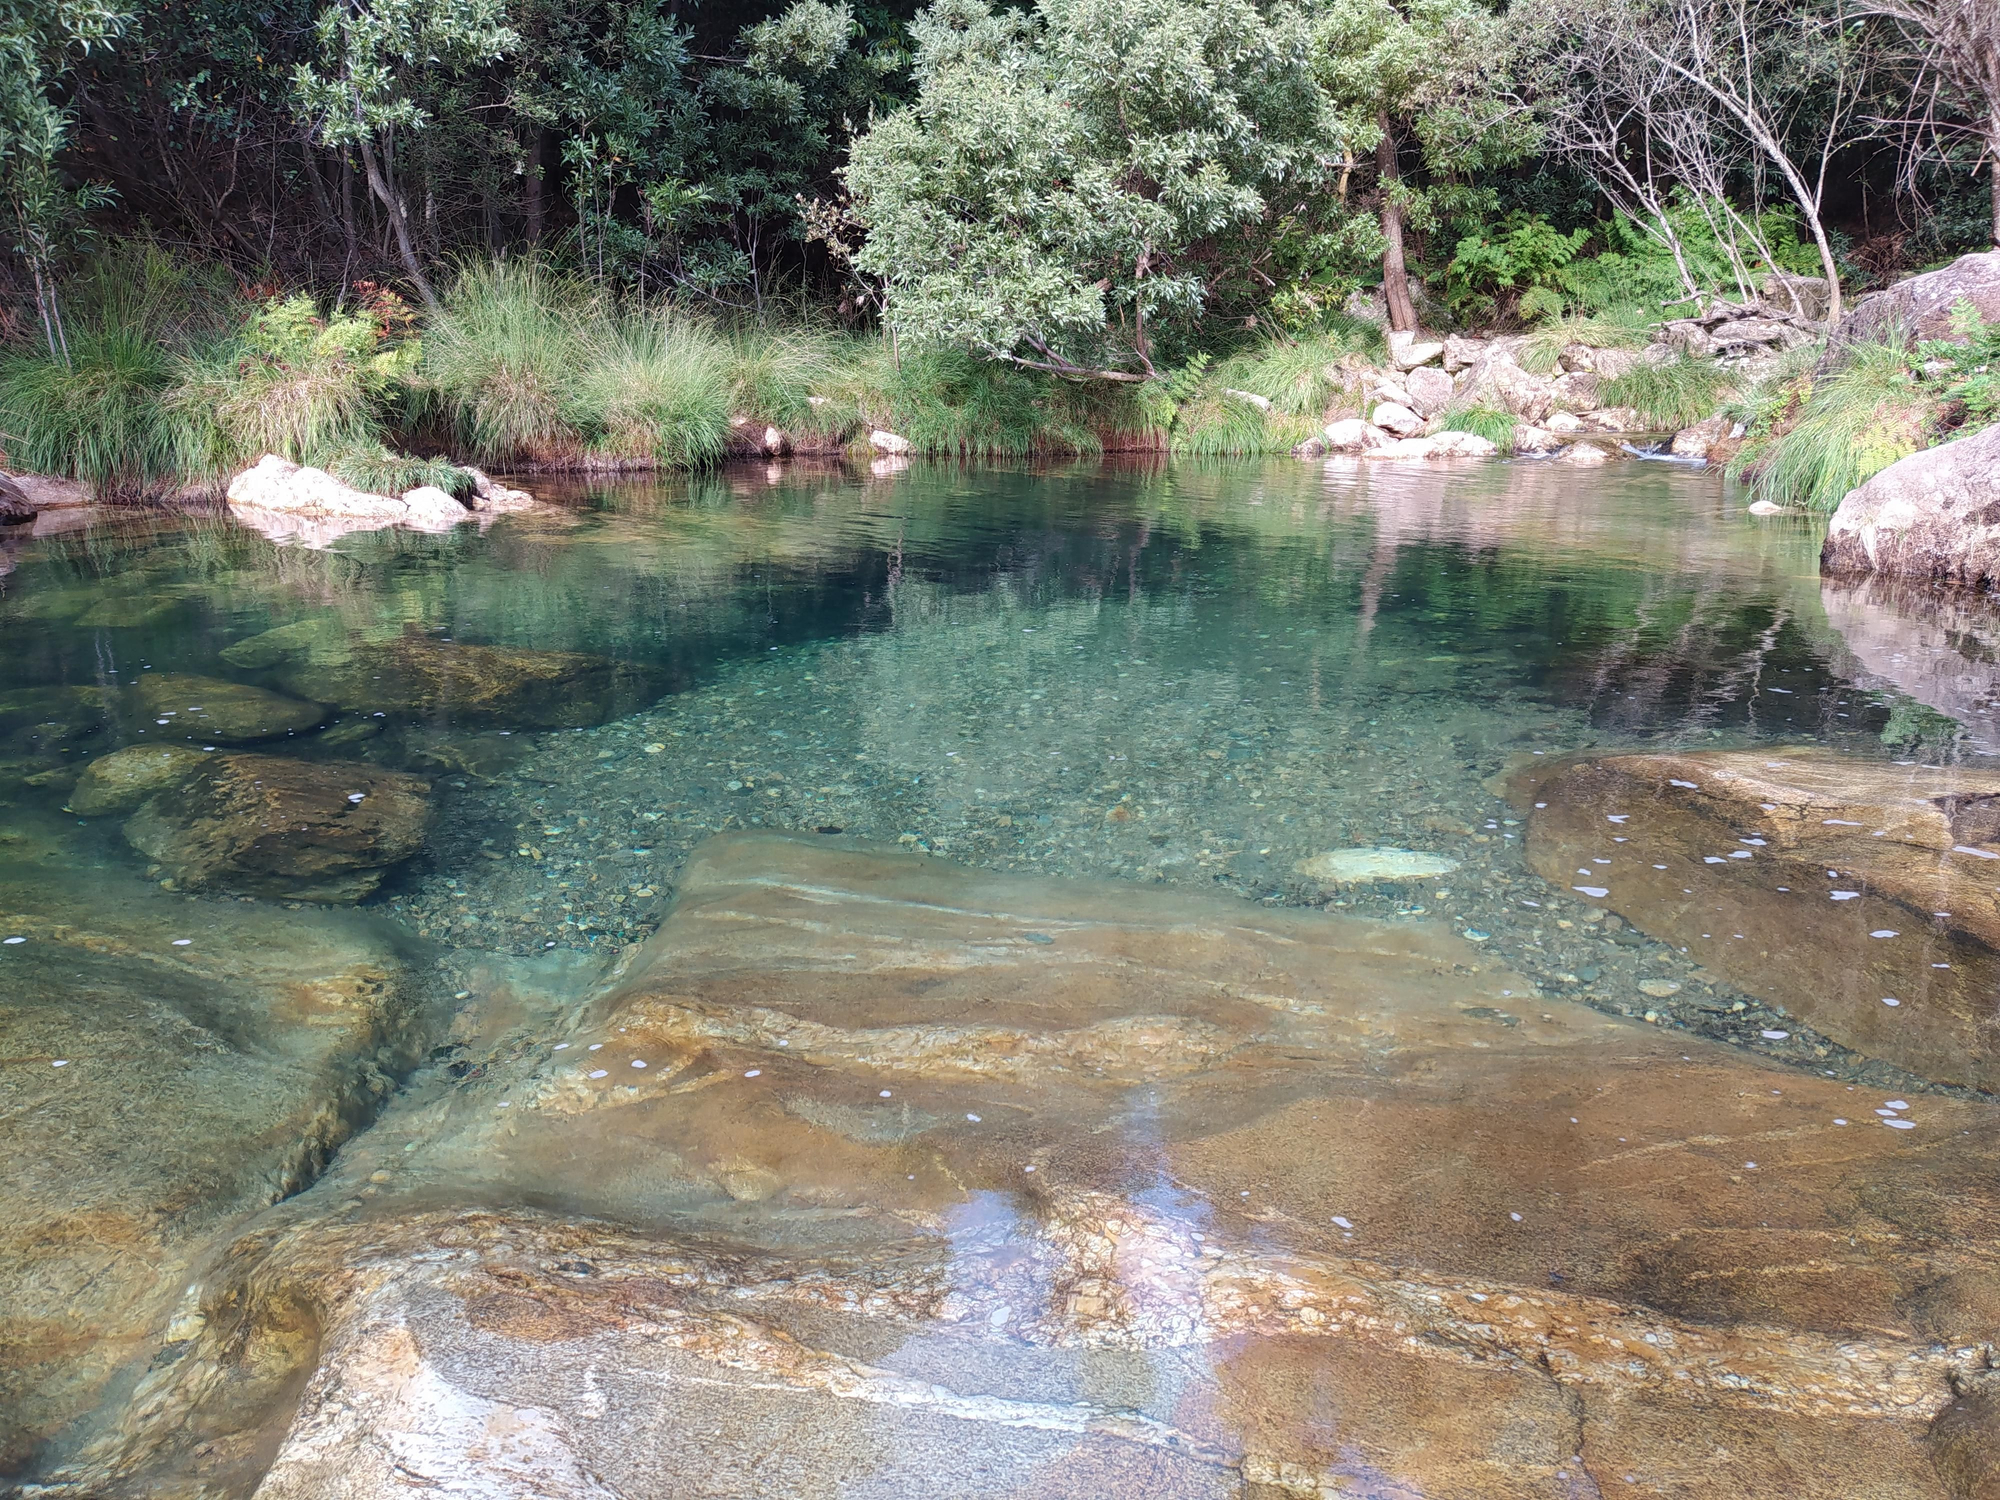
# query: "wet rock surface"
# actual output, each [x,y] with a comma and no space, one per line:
[1932,643]
[1860,896]
[266,825]
[872,1169]
[167,1067]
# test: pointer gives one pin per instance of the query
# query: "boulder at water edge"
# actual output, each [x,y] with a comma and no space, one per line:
[1921,306]
[210,708]
[1935,514]
[871,1172]
[1862,896]
[289,499]
[169,1069]
[264,825]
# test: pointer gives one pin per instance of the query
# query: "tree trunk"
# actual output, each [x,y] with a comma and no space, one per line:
[1993,173]
[398,221]
[1395,276]
[531,190]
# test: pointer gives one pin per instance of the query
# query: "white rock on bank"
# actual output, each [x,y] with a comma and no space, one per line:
[1429,390]
[1408,352]
[1352,435]
[277,485]
[892,443]
[1696,441]
[1460,445]
[1393,416]
[1584,453]
[1532,439]
[489,494]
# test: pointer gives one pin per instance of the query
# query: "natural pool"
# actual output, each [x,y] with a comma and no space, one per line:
[1260,1100]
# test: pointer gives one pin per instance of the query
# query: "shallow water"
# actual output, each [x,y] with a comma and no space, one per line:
[1187,678]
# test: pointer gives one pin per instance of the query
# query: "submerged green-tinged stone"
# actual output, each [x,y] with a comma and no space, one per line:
[211,708]
[120,781]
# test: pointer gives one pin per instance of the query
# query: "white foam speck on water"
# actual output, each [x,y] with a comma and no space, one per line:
[1968,849]
[1597,892]
[1749,1166]
[1540,804]
[1711,859]
[561,1047]
[1839,823]
[973,1118]
[1659,867]
[1887,1114]
[61,1062]
[597,1046]
[1940,966]
[1343,1223]
[1027,1169]
[1901,1124]
[505,1104]
[1691,786]
[1616,817]
[1882,932]
[638,1062]
[1774,1036]
[1596,861]
[1758,842]
[182,942]
[597,1073]
[1844,895]
[754,1073]
[1838,1121]
[1526,902]
[1896,1103]
[884,1094]
[1583,872]
[159,721]
[13,940]
[1890,1000]
[1740,854]
[1515,1217]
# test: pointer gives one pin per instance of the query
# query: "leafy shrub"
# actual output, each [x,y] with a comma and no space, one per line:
[1490,274]
[1675,393]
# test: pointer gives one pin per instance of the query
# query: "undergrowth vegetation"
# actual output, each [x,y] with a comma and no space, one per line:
[1669,393]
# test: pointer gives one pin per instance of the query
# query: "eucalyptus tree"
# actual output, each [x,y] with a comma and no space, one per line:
[1420,76]
[1073,178]
[1706,94]
[364,88]
[39,39]
[1956,44]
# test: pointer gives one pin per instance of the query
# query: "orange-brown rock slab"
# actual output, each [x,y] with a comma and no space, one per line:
[1826,883]
[937,1182]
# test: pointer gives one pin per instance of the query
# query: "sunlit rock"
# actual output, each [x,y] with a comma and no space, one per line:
[295,503]
[265,825]
[211,708]
[168,1071]
[1930,515]
[1858,894]
[1353,435]
[1395,417]
[120,781]
[976,1184]
[1357,866]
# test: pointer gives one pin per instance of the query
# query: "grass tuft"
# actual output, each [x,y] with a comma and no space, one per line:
[1541,350]
[1811,441]
[656,387]
[101,418]
[1673,393]
[1496,426]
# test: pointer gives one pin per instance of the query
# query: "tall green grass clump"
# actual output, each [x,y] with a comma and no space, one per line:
[504,360]
[101,415]
[774,377]
[950,403]
[1676,392]
[655,388]
[1615,328]
[1812,440]
[1496,426]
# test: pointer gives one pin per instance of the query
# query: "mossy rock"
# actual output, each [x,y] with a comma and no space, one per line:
[120,781]
[211,708]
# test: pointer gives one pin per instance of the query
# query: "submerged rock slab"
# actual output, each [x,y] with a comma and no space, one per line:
[445,681]
[165,1070]
[217,709]
[1862,896]
[265,825]
[872,1173]
[1362,866]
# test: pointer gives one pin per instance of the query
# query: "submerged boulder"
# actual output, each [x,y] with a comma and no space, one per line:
[170,1069]
[120,781]
[212,708]
[929,1174]
[1857,894]
[1934,514]
[456,682]
[265,825]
